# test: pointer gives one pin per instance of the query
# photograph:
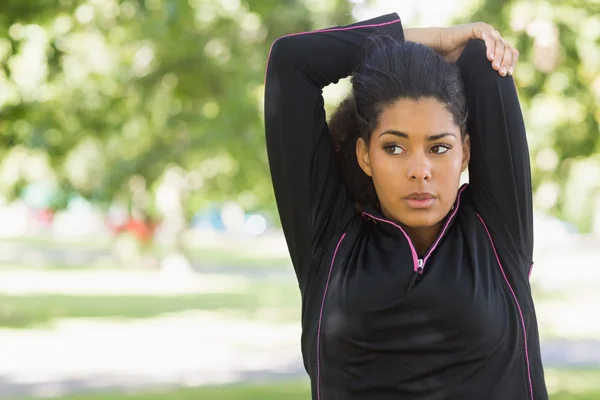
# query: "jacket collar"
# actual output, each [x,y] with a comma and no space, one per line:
[374,215]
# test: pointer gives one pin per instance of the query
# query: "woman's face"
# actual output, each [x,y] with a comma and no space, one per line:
[415,158]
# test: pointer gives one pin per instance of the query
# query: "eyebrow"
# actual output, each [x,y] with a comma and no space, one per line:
[429,138]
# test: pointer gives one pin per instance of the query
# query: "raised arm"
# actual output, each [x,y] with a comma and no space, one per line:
[311,198]
[499,171]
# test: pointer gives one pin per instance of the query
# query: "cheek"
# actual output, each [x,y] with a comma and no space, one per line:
[385,172]
[447,177]
[451,165]
[456,164]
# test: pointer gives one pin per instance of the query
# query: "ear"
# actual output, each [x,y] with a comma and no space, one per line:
[362,155]
[466,147]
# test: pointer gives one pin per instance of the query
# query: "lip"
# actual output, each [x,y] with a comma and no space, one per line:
[420,200]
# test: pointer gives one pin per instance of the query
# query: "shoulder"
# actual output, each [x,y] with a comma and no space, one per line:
[480,222]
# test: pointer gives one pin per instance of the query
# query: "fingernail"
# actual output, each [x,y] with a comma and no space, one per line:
[496,64]
[503,71]
[491,56]
[511,70]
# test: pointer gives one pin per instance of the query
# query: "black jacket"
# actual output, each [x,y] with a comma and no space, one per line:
[465,328]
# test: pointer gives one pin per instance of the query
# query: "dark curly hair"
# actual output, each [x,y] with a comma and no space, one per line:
[389,70]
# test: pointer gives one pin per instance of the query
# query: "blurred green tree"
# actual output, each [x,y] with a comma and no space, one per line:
[96,94]
[101,97]
[558,76]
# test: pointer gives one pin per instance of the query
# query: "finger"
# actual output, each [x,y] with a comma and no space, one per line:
[490,44]
[515,58]
[498,52]
[506,62]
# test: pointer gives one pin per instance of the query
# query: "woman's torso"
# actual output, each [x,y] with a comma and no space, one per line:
[459,333]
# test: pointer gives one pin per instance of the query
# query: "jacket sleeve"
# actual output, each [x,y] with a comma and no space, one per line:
[499,170]
[311,198]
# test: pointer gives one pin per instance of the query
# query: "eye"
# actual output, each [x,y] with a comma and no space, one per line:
[393,149]
[440,148]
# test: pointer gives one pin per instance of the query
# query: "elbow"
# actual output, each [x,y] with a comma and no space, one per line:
[283,50]
[278,63]
[277,51]
[474,55]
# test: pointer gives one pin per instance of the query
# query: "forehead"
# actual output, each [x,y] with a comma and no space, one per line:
[423,116]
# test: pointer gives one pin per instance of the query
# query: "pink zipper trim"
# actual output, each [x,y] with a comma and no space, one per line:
[516,302]
[412,247]
[445,226]
[325,30]
[435,244]
[321,319]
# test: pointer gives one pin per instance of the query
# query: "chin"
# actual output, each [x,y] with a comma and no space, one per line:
[421,218]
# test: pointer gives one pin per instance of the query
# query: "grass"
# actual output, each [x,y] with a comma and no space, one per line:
[297,390]
[573,383]
[238,258]
[213,258]
[28,311]
[564,384]
[243,256]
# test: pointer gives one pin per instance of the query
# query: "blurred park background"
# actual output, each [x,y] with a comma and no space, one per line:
[140,251]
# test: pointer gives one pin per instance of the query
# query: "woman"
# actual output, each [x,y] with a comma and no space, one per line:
[424,293]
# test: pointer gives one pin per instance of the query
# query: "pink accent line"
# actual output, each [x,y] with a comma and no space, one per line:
[321,318]
[530,269]
[441,235]
[326,30]
[412,247]
[516,302]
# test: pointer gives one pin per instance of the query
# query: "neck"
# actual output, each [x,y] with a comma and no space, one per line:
[423,238]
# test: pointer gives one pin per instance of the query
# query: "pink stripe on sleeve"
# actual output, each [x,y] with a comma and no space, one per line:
[326,30]
[321,319]
[516,302]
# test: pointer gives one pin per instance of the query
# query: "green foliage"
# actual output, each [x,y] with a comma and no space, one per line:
[93,93]
[97,92]
[558,76]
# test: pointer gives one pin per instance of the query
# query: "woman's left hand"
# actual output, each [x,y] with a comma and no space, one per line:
[502,55]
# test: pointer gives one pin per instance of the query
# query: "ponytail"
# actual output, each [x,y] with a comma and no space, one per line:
[345,129]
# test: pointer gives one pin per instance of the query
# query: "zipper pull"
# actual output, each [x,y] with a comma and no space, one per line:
[418,272]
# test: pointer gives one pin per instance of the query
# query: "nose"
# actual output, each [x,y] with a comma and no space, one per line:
[419,169]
